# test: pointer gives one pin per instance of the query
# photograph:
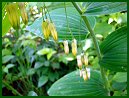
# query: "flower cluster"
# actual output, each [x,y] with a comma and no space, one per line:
[82,59]
[49,29]
[12,10]
[82,62]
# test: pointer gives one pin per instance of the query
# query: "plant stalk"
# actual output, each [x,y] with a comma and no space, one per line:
[103,73]
[11,88]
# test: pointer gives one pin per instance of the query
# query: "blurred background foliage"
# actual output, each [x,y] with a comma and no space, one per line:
[31,65]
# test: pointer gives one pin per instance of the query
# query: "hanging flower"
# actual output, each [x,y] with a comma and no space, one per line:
[53,31]
[66,47]
[88,72]
[85,77]
[74,47]
[23,12]
[45,29]
[79,62]
[14,18]
[85,60]
[82,57]
[81,73]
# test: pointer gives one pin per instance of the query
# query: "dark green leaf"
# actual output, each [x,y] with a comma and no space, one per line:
[117,86]
[58,16]
[72,85]
[55,65]
[46,63]
[53,76]
[42,80]
[99,8]
[114,50]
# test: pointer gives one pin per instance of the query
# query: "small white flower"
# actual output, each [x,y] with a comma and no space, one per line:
[79,62]
[81,73]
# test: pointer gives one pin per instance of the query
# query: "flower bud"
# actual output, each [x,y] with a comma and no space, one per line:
[85,77]
[45,29]
[81,73]
[23,12]
[82,57]
[85,60]
[14,18]
[74,47]
[88,72]
[66,47]
[79,62]
[53,31]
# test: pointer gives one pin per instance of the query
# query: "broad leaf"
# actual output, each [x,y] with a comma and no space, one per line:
[114,50]
[42,80]
[99,8]
[58,16]
[54,5]
[7,58]
[72,85]
[120,77]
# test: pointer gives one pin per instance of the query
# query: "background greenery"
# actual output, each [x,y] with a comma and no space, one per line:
[30,65]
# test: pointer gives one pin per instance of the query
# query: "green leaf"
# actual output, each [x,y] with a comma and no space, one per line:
[8,67]
[46,63]
[31,71]
[3,8]
[55,65]
[38,65]
[120,77]
[42,80]
[32,93]
[6,52]
[43,51]
[100,8]
[50,54]
[5,21]
[58,16]
[56,5]
[7,58]
[120,93]
[118,86]
[103,28]
[72,85]
[114,50]
[53,76]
